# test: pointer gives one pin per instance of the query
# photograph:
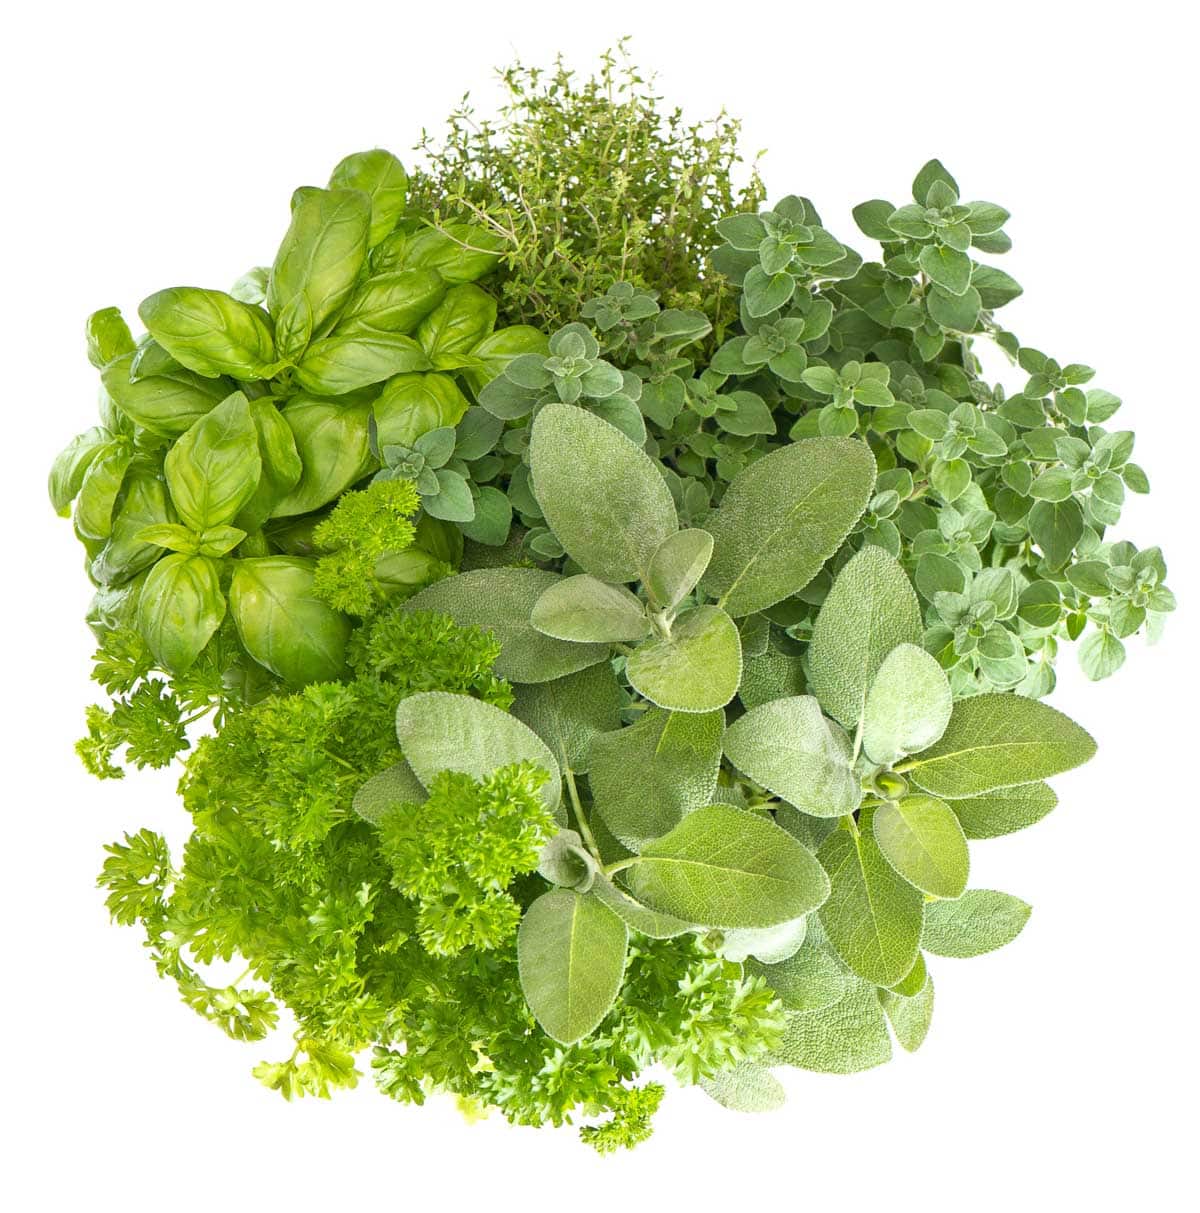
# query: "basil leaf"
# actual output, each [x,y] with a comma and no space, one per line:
[460,252]
[341,364]
[980,921]
[280,462]
[722,867]
[283,625]
[870,610]
[921,838]
[143,503]
[996,741]
[332,441]
[71,465]
[166,404]
[783,517]
[380,176]
[602,496]
[391,303]
[210,332]
[99,489]
[696,669]
[497,350]
[571,959]
[464,317]
[180,607]
[413,405]
[108,337]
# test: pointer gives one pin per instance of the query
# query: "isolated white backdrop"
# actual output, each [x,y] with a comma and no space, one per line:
[149,144]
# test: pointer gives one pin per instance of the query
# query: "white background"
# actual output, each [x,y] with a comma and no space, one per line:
[154,144]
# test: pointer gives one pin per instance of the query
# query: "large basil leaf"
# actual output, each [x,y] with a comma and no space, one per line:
[210,332]
[871,609]
[143,503]
[997,741]
[439,732]
[99,489]
[380,176]
[166,404]
[333,442]
[722,867]
[873,916]
[783,517]
[460,322]
[567,713]
[497,350]
[676,757]
[412,405]
[317,265]
[392,303]
[460,252]
[108,337]
[571,961]
[789,748]
[341,364]
[71,465]
[283,625]
[179,608]
[696,669]
[213,470]
[501,601]
[280,463]
[602,496]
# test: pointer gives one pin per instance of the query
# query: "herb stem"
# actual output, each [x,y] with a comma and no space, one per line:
[580,816]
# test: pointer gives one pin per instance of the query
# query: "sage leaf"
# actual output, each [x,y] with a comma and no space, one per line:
[696,669]
[771,945]
[722,867]
[980,921]
[1005,810]
[997,741]
[637,916]
[873,915]
[439,731]
[908,705]
[179,608]
[571,959]
[676,757]
[809,979]
[586,609]
[789,748]
[846,1037]
[746,1087]
[871,609]
[677,565]
[282,623]
[211,333]
[601,495]
[910,1016]
[922,839]
[783,517]
[394,786]
[501,601]
[213,470]
[569,713]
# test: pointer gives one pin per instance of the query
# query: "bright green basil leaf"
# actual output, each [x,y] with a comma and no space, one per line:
[789,748]
[980,921]
[696,669]
[333,442]
[108,337]
[571,958]
[143,503]
[460,252]
[341,364]
[586,609]
[921,838]
[997,741]
[783,517]
[71,465]
[179,608]
[391,303]
[100,488]
[213,470]
[459,323]
[280,460]
[870,610]
[211,333]
[380,176]
[413,405]
[676,757]
[501,601]
[873,916]
[443,732]
[677,565]
[166,404]
[602,496]
[723,867]
[283,625]
[908,705]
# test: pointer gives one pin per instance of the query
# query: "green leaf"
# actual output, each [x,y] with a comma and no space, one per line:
[808,980]
[459,323]
[677,565]
[213,470]
[980,921]
[332,440]
[909,1016]
[571,958]
[676,757]
[872,218]
[569,713]
[210,332]
[282,623]
[921,838]
[873,915]
[846,1037]
[411,406]
[100,489]
[790,749]
[722,867]
[71,465]
[391,303]
[947,267]
[453,501]
[1005,810]
[493,518]
[1101,655]
[997,741]
[179,608]
[958,313]
[501,601]
[108,337]
[637,916]
[1056,527]
[345,363]
[764,293]
[280,461]
[585,609]
[566,862]
[908,705]
[394,786]
[602,496]
[932,171]
[439,732]
[165,404]
[771,945]
[380,176]
[870,610]
[746,1087]
[783,517]
[696,669]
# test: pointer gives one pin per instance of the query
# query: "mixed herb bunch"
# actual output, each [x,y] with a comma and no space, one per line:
[618,690]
